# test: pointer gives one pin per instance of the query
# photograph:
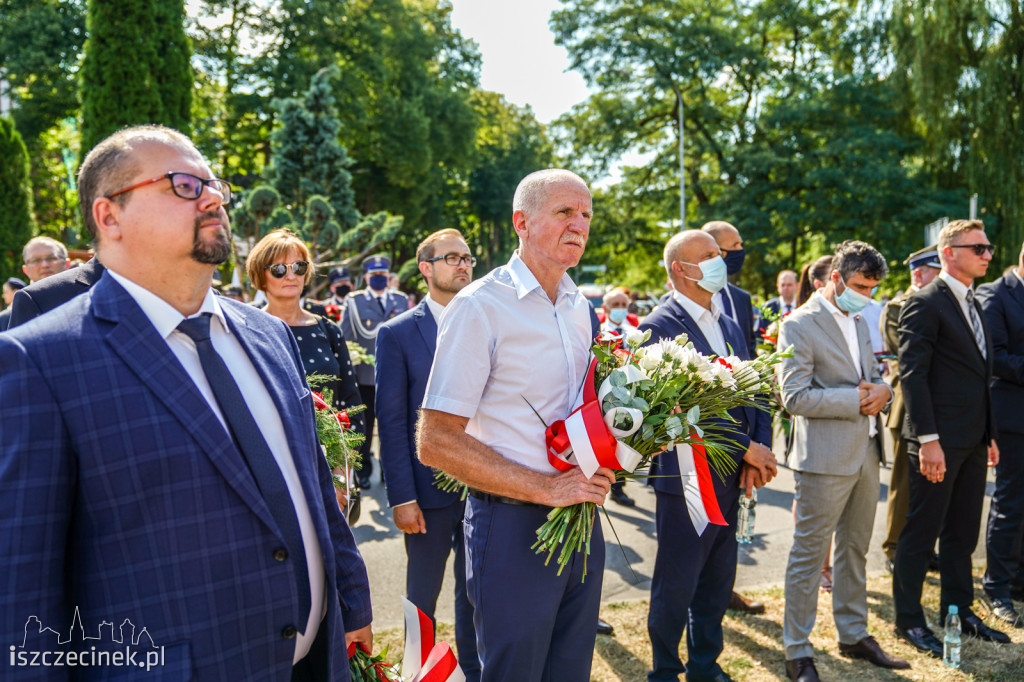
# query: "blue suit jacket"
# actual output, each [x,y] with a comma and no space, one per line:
[668,321]
[405,352]
[1002,302]
[126,498]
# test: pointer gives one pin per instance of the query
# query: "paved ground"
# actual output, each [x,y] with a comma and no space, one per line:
[762,562]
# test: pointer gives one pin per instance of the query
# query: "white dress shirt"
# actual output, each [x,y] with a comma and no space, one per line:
[435,309]
[707,320]
[502,343]
[166,320]
[848,326]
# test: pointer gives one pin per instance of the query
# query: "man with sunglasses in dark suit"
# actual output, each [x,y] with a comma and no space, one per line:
[945,357]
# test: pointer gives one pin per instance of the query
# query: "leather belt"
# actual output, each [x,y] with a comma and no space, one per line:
[488,497]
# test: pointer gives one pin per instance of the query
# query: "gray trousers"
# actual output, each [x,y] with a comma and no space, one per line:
[827,504]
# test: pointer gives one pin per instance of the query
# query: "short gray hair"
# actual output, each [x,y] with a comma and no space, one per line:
[48,241]
[532,189]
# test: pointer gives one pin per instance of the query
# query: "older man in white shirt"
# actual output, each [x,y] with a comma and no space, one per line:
[516,341]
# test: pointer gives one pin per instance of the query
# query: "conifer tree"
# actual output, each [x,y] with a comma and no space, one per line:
[16,222]
[135,68]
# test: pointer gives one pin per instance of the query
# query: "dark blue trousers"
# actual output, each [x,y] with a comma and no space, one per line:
[690,590]
[531,623]
[1006,518]
[428,555]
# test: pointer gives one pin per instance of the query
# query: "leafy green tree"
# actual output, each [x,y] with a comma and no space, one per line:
[961,65]
[40,43]
[135,67]
[16,222]
[510,143]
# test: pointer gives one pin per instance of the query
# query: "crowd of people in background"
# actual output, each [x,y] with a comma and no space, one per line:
[208,396]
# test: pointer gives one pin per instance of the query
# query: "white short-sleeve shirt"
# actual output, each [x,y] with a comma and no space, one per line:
[502,347]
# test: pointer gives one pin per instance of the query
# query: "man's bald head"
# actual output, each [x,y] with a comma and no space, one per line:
[686,247]
[727,236]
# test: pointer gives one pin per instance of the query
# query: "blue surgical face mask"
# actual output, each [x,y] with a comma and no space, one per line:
[378,282]
[734,261]
[850,300]
[715,274]
[617,315]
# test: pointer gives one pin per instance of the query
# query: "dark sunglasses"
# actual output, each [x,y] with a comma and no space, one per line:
[186,186]
[453,259]
[979,249]
[279,270]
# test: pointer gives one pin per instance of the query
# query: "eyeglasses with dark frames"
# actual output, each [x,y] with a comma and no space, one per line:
[979,249]
[185,185]
[279,270]
[453,259]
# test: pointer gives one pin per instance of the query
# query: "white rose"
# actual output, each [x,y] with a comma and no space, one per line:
[649,358]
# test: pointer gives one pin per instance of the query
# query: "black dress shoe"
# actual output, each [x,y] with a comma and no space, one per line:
[869,650]
[1003,610]
[737,602]
[922,639]
[364,481]
[970,624]
[802,670]
[604,628]
[619,496]
[720,677]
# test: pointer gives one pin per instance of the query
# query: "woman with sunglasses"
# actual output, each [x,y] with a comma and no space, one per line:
[280,266]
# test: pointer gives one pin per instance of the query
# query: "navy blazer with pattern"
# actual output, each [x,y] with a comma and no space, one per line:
[125,497]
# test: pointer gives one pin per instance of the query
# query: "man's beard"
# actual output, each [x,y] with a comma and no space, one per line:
[452,285]
[217,250]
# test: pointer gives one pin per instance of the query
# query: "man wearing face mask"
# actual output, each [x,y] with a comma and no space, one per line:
[832,387]
[340,282]
[693,594]
[735,302]
[365,310]
[616,310]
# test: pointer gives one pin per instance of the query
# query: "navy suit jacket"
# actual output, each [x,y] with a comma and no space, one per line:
[125,497]
[405,352]
[46,294]
[1002,302]
[668,321]
[745,318]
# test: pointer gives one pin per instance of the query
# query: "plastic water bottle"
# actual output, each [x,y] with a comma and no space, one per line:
[951,640]
[745,524]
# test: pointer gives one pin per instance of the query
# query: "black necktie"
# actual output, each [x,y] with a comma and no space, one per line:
[380,302]
[257,453]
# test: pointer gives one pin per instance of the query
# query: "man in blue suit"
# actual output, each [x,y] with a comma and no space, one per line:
[131,490]
[693,593]
[733,301]
[1002,303]
[430,518]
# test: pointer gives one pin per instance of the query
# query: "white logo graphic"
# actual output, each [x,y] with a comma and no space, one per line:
[44,646]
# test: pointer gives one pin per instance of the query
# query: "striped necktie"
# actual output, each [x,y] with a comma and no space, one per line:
[979,332]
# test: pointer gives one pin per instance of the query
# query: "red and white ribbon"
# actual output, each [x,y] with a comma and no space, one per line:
[425,661]
[698,489]
[586,438]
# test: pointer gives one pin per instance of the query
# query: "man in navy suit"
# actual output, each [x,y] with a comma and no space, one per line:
[430,518]
[733,301]
[693,594]
[1002,303]
[47,294]
[131,492]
